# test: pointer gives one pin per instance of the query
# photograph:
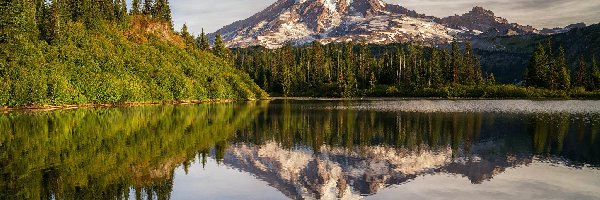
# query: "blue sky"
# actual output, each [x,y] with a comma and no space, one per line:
[214,14]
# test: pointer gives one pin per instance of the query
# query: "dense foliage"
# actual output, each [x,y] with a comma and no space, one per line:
[550,70]
[347,69]
[508,57]
[106,152]
[78,52]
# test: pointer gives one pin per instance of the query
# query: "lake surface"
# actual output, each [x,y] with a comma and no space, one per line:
[306,149]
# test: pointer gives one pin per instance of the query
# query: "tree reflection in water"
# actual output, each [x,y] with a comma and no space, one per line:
[302,148]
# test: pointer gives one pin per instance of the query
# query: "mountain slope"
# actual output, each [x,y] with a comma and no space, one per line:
[480,20]
[303,21]
[298,22]
[144,61]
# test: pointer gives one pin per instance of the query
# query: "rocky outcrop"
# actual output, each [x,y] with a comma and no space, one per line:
[480,20]
[552,31]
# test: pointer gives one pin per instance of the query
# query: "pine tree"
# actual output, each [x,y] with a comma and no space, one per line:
[120,9]
[55,21]
[166,13]
[491,80]
[286,64]
[219,48]
[135,7]
[580,76]
[147,10]
[536,72]
[564,78]
[456,62]
[188,39]
[595,74]
[162,11]
[469,63]
[317,64]
[202,42]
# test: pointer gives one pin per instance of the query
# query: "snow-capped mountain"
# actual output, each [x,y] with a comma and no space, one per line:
[339,173]
[302,21]
[371,21]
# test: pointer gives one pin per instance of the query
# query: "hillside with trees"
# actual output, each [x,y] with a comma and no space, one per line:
[408,70]
[89,52]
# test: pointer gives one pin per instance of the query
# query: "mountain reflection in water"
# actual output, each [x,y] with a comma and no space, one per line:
[302,148]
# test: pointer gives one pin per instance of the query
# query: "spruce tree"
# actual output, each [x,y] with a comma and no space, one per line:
[219,48]
[202,42]
[469,63]
[456,62]
[595,74]
[564,78]
[188,39]
[120,10]
[135,7]
[580,76]
[162,11]
[436,68]
[147,10]
[536,71]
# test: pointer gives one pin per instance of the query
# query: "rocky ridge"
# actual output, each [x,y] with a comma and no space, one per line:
[299,22]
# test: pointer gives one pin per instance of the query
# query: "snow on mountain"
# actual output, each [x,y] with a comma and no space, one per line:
[304,21]
[299,22]
[340,173]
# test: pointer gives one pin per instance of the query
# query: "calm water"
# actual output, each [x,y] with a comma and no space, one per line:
[306,149]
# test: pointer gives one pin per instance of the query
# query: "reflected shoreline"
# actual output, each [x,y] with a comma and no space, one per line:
[300,147]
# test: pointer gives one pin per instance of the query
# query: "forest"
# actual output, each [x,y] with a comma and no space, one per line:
[72,52]
[63,52]
[406,70]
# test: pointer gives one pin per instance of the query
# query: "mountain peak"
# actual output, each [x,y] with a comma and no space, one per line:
[481,11]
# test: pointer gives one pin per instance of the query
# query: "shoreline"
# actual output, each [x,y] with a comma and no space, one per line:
[44,108]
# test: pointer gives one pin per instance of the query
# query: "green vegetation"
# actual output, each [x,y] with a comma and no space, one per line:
[508,57]
[347,70]
[79,52]
[396,70]
[550,71]
[103,153]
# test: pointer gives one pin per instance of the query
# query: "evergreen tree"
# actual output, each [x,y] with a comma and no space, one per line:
[318,61]
[286,65]
[580,76]
[456,62]
[564,78]
[202,42]
[162,11]
[147,10]
[120,9]
[536,72]
[55,21]
[491,80]
[188,39]
[595,74]
[435,67]
[219,48]
[469,63]
[135,7]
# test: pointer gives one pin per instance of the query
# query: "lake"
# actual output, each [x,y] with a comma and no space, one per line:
[306,149]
